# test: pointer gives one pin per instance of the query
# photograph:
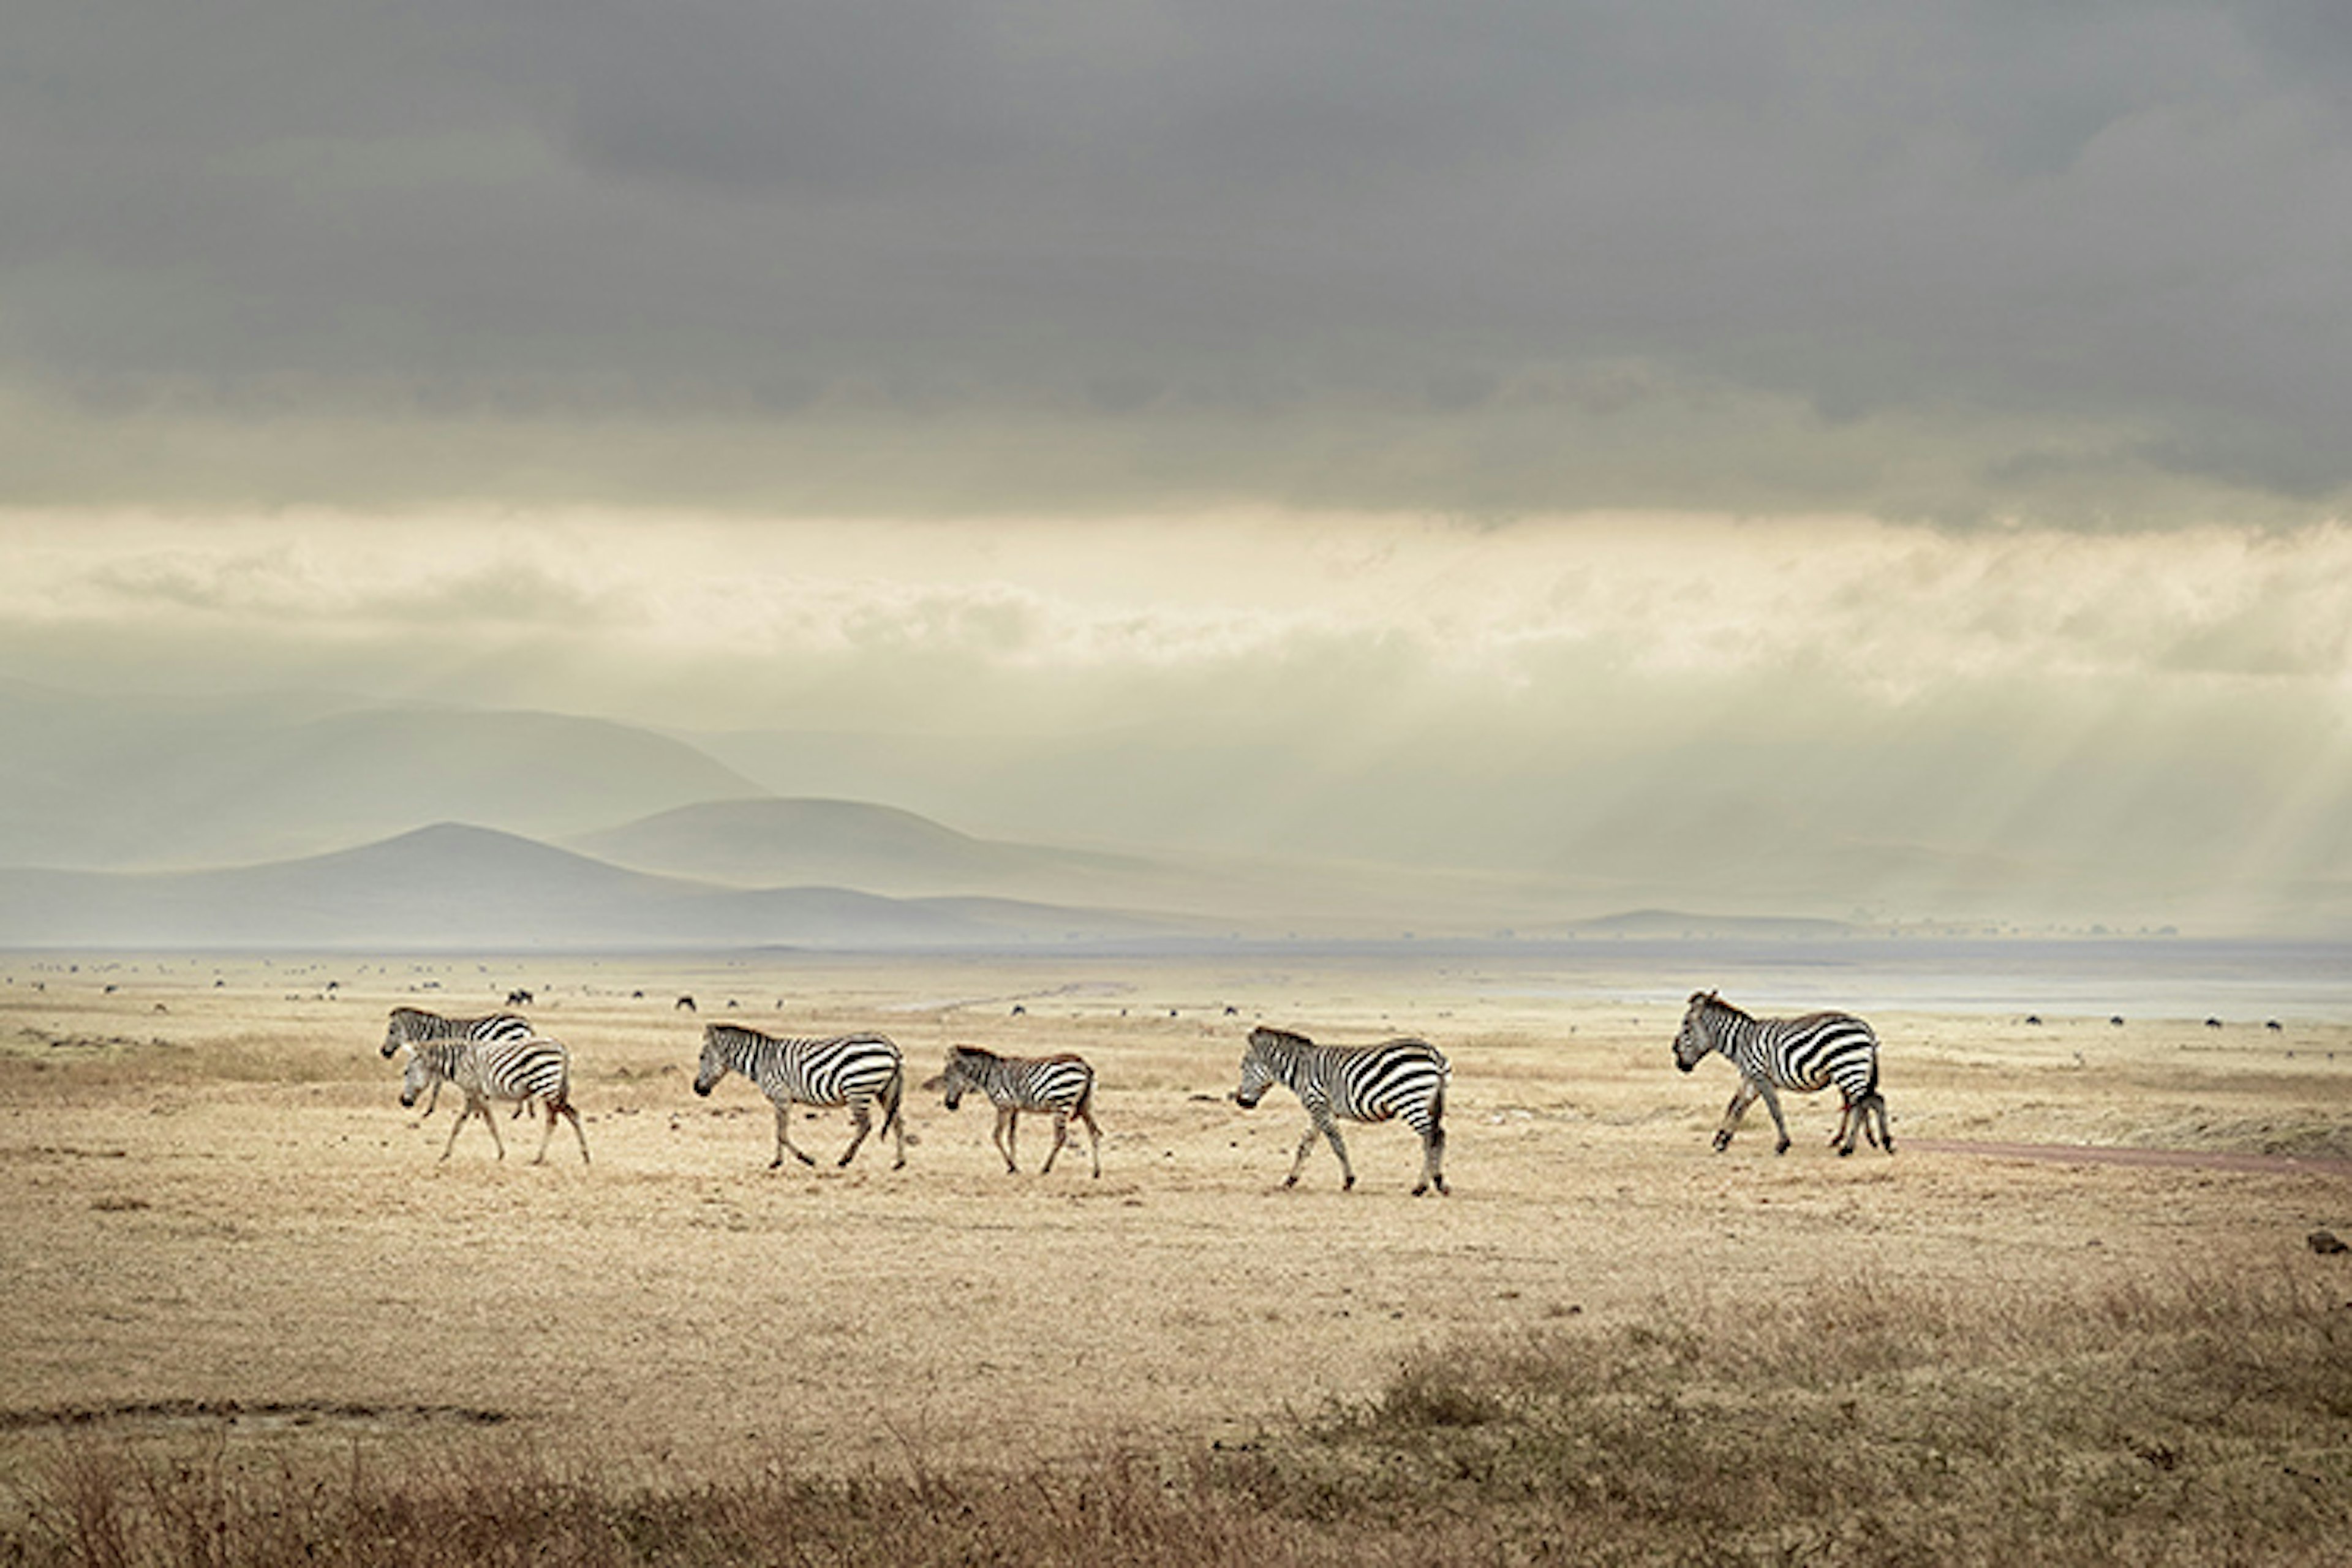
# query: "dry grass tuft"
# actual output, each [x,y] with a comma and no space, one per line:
[2206,1420]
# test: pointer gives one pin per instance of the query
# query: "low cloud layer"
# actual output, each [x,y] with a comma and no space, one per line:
[1835,716]
[2085,265]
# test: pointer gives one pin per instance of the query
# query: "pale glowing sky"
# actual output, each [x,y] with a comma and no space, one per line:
[1527,435]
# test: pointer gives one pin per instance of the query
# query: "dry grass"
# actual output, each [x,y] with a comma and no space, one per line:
[2208,1421]
[250,1318]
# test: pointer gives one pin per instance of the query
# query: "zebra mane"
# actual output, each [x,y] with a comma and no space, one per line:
[1279,1036]
[986,1056]
[1721,1005]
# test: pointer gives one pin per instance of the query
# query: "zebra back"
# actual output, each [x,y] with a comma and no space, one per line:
[410,1026]
[822,1072]
[1063,1081]
[1802,1053]
[1402,1077]
[535,1067]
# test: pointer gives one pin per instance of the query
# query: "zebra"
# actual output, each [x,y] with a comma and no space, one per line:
[1805,1054]
[1403,1078]
[412,1024]
[534,1068]
[854,1070]
[1063,1085]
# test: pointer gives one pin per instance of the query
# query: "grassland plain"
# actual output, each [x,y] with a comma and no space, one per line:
[236,1277]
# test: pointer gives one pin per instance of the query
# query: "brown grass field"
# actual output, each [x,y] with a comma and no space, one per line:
[249,1315]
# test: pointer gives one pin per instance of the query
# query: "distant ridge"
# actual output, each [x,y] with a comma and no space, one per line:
[456,886]
[111,783]
[771,841]
[1665,923]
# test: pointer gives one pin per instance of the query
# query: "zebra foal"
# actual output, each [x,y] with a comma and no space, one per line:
[859,1071]
[535,1068]
[409,1026]
[1062,1086]
[1403,1079]
[1803,1054]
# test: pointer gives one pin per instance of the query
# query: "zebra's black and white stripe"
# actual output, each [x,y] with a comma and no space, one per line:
[533,1068]
[410,1026]
[1805,1054]
[1063,1085]
[1403,1079]
[855,1070]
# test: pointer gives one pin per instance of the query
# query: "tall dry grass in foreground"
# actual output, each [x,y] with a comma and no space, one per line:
[2203,1421]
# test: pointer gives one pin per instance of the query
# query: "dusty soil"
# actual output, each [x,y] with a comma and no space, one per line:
[219,1218]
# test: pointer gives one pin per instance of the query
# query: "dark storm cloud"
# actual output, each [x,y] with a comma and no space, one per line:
[1935,260]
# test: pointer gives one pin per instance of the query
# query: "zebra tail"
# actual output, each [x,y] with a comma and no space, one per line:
[1437,1117]
[894,1094]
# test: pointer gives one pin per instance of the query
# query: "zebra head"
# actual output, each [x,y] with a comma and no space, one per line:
[416,1078]
[1258,1073]
[1696,1036]
[395,1034]
[715,1062]
[957,1076]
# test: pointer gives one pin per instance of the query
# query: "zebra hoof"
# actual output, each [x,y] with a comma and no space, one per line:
[1442,1190]
[1348,1185]
[1782,1147]
[1289,1182]
[1846,1152]
[1722,1141]
[1418,1191]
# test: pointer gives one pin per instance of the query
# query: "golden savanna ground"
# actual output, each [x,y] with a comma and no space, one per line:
[209,1196]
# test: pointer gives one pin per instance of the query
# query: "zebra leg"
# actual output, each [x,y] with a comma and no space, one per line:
[1432,1161]
[1007,1123]
[1779,1123]
[1331,1131]
[456,1127]
[578,1132]
[784,1137]
[894,1113]
[1301,1159]
[861,1121]
[1749,1089]
[1095,1135]
[1877,1102]
[1061,1136]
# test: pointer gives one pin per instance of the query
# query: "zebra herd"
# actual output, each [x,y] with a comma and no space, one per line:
[501,1058]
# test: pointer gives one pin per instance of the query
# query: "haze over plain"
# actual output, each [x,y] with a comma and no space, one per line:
[1826,464]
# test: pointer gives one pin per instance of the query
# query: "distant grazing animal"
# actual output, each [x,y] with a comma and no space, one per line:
[536,1068]
[1804,1054]
[2275,1026]
[685,1004]
[855,1070]
[2117,1020]
[520,998]
[415,1026]
[1402,1079]
[2213,1022]
[2033,1020]
[1063,1085]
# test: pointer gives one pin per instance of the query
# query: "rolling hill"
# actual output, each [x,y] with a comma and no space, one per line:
[453,887]
[110,782]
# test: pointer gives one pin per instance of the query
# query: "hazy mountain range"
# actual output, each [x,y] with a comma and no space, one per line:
[303,821]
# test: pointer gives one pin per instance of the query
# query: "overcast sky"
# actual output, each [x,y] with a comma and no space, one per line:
[1558,386]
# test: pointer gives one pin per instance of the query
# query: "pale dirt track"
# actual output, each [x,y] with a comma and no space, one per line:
[222,1205]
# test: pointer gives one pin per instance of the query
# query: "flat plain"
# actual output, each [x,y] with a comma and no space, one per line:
[218,1220]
